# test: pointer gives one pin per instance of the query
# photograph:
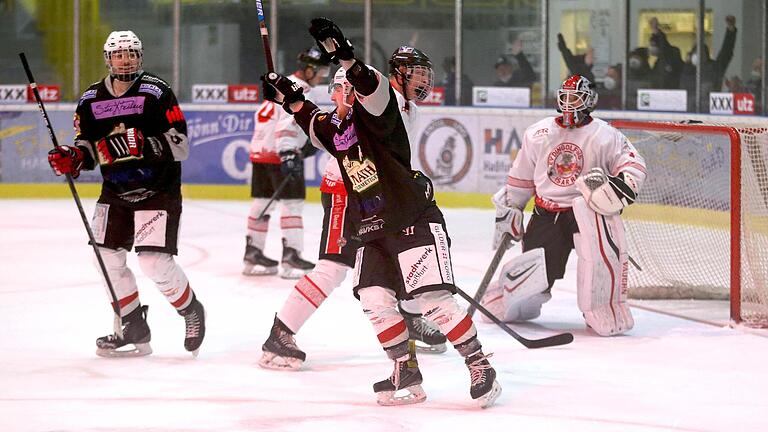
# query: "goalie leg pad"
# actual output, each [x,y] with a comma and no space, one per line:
[380,306]
[601,271]
[122,278]
[521,288]
[310,292]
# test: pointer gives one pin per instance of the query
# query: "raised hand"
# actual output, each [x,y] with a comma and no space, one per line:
[281,90]
[331,40]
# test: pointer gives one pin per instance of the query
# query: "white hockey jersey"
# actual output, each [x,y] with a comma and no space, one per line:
[332,181]
[275,130]
[552,157]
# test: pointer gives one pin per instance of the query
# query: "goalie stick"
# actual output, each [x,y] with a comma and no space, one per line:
[115,303]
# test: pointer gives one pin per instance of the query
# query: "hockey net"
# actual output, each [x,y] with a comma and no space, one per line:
[699,229]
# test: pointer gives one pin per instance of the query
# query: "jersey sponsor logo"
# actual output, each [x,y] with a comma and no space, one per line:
[541,132]
[362,174]
[151,89]
[147,77]
[13,93]
[443,252]
[48,93]
[369,225]
[90,94]
[565,163]
[174,114]
[346,139]
[118,107]
[445,151]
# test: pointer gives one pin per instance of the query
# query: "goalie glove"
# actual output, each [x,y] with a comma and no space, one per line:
[120,147]
[66,160]
[606,194]
[508,219]
[281,90]
[331,40]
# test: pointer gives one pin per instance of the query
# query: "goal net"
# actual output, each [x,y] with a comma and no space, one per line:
[699,229]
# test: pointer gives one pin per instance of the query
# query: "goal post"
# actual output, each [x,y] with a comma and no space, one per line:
[699,228]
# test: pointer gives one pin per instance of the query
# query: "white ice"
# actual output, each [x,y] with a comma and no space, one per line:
[668,373]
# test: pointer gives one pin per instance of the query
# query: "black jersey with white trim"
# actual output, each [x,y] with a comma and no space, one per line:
[372,147]
[150,106]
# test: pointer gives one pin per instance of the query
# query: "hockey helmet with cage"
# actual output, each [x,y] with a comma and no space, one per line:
[418,77]
[124,42]
[340,81]
[576,98]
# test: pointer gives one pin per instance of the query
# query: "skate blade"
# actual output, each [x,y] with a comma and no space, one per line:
[412,395]
[255,270]
[489,398]
[292,273]
[423,348]
[275,362]
[139,350]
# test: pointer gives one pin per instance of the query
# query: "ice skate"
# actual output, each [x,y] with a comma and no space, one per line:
[136,336]
[425,334]
[194,320]
[484,388]
[255,263]
[279,351]
[406,379]
[293,266]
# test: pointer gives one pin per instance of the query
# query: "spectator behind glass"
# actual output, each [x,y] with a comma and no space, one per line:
[577,64]
[665,73]
[518,72]
[638,75]
[712,71]
[449,82]
[610,93]
[754,84]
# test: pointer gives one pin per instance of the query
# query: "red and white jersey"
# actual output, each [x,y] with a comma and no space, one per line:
[275,130]
[553,157]
[332,181]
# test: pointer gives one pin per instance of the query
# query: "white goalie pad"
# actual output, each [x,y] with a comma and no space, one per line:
[601,270]
[519,292]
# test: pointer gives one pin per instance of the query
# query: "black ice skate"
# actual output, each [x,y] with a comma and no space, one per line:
[406,379]
[280,351]
[194,320]
[135,332]
[293,266]
[255,263]
[427,336]
[484,387]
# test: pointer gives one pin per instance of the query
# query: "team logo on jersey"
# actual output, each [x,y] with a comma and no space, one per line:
[565,163]
[151,89]
[362,174]
[90,94]
[445,151]
[118,107]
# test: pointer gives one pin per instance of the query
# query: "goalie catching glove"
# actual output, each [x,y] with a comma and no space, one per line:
[120,147]
[605,194]
[281,90]
[331,40]
[66,160]
[508,219]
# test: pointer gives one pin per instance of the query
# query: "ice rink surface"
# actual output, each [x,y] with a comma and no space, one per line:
[668,373]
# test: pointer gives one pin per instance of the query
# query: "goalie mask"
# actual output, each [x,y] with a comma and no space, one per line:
[413,69]
[576,98]
[124,55]
[340,81]
[314,59]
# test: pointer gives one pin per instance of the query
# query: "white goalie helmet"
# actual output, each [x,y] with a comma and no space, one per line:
[120,46]
[340,80]
[576,98]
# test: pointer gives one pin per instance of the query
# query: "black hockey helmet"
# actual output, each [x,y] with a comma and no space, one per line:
[408,56]
[313,58]
[418,77]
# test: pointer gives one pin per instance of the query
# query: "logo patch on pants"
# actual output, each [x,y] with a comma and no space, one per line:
[419,267]
[99,222]
[150,226]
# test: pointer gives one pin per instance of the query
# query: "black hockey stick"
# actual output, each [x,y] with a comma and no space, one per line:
[52,134]
[558,339]
[276,194]
[506,239]
[265,36]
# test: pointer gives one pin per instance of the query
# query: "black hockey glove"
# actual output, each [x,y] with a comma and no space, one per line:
[331,40]
[291,163]
[281,90]
[561,42]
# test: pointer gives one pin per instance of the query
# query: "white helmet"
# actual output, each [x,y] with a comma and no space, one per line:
[119,41]
[576,98]
[340,80]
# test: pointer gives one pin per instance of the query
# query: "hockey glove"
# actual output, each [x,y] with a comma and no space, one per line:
[120,147]
[508,219]
[605,194]
[331,40]
[281,90]
[290,163]
[66,160]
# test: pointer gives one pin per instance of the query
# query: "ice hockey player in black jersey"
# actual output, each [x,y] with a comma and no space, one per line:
[405,246]
[130,125]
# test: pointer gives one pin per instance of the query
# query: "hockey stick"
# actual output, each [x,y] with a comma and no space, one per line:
[265,36]
[558,339]
[506,239]
[276,194]
[115,303]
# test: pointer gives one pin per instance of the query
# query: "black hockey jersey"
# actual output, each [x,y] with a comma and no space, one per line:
[150,106]
[372,147]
